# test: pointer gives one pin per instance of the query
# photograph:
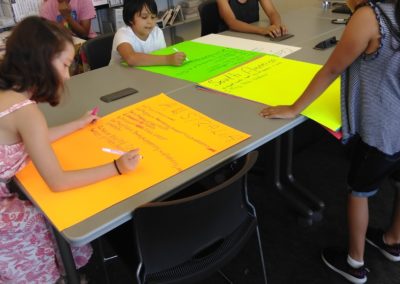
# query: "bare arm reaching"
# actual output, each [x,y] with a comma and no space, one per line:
[358,37]
[35,136]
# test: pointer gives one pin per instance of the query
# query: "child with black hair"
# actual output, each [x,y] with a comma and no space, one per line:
[368,58]
[133,42]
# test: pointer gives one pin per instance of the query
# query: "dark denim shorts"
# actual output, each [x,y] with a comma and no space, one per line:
[368,169]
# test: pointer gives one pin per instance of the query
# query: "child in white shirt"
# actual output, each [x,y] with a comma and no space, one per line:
[133,42]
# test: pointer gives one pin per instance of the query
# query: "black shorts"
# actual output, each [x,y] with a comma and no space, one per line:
[368,169]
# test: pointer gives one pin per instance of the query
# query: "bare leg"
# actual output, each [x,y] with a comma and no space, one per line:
[392,236]
[357,214]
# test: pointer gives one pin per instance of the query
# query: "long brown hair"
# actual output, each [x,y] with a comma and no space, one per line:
[27,64]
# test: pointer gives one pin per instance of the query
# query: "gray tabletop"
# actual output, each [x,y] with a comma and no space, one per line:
[85,90]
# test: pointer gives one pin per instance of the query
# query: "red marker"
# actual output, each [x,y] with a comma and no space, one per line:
[95,111]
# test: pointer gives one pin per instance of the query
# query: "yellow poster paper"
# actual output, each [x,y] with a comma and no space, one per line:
[274,81]
[171,136]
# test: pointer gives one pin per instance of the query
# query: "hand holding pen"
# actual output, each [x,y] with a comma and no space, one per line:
[177,58]
[93,113]
[87,118]
[128,160]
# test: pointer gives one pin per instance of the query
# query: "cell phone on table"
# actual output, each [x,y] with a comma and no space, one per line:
[280,38]
[118,95]
[327,43]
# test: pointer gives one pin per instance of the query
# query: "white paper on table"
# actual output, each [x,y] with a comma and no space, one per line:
[280,50]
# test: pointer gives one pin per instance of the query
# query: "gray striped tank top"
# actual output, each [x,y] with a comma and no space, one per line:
[370,92]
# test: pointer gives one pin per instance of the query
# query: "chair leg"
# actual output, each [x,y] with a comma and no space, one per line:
[261,254]
[257,229]
[260,250]
[225,277]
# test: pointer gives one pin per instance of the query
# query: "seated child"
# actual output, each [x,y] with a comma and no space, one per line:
[72,14]
[133,42]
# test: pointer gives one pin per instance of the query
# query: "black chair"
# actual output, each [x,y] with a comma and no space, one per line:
[98,50]
[188,239]
[210,20]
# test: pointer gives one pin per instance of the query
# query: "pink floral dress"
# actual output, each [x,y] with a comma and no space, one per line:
[27,248]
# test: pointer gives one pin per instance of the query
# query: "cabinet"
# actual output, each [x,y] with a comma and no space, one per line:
[13,11]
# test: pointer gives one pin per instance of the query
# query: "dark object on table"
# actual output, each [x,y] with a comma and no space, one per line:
[342,9]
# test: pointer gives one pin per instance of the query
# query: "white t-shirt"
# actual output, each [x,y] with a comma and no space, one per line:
[155,41]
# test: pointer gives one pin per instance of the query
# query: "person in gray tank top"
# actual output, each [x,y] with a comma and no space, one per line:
[368,59]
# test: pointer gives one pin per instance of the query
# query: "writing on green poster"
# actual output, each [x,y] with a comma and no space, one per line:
[204,61]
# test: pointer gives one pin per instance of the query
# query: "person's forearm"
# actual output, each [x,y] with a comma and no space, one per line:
[275,19]
[77,28]
[317,86]
[143,59]
[59,131]
[243,27]
[66,180]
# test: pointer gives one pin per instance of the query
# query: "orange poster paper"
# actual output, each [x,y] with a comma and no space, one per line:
[171,136]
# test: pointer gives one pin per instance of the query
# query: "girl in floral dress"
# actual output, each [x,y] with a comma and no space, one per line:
[34,69]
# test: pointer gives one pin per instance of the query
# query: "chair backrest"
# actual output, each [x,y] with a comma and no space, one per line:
[194,230]
[210,20]
[98,50]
